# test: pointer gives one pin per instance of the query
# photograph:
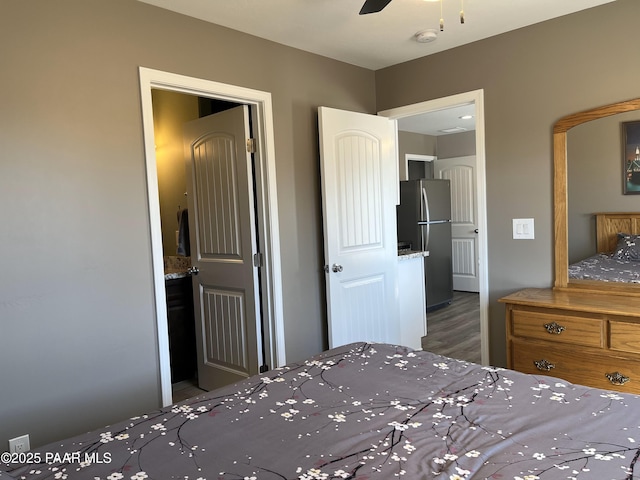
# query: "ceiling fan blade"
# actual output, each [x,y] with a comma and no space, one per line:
[373,6]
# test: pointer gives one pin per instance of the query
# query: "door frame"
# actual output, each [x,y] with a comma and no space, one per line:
[414,157]
[266,201]
[475,97]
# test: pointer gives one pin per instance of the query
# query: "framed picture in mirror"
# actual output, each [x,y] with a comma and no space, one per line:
[631,157]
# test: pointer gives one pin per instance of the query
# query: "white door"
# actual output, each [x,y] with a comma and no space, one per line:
[222,231]
[461,171]
[359,195]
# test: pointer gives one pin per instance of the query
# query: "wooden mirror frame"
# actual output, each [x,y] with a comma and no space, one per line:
[561,240]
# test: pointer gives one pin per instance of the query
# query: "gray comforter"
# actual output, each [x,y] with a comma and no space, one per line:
[366,411]
[606,268]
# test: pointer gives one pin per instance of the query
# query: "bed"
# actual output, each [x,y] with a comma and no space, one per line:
[618,250]
[365,411]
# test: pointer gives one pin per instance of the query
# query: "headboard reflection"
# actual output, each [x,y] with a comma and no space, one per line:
[608,225]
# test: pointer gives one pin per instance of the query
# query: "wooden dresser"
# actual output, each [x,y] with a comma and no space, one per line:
[587,338]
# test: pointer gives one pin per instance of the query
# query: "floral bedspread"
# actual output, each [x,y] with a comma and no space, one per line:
[366,411]
[606,268]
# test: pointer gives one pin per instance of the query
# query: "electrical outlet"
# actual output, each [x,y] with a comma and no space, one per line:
[19,444]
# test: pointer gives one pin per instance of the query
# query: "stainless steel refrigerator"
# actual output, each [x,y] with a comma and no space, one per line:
[424,220]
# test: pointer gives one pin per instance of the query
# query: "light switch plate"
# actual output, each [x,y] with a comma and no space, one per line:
[523,229]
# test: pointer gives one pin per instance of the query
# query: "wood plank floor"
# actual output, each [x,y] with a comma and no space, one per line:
[454,331]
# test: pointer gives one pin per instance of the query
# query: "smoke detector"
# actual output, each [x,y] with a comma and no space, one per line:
[426,36]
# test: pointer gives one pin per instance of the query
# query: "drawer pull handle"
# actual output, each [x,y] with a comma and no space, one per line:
[543,365]
[616,378]
[553,327]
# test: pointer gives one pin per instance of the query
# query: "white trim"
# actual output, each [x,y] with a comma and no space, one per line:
[474,97]
[267,203]
[414,157]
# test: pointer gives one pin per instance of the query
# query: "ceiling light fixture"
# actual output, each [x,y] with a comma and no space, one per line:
[466,117]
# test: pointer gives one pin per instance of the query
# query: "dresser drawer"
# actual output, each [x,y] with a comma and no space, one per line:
[563,328]
[576,366]
[624,336]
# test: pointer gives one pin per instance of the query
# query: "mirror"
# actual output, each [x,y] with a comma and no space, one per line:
[595,180]
[588,159]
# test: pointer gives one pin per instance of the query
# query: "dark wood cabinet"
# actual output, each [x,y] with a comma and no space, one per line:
[182,333]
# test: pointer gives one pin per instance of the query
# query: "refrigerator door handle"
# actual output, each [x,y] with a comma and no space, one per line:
[424,214]
[425,230]
[425,236]
[434,222]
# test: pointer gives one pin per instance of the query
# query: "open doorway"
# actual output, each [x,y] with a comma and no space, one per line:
[216,336]
[422,110]
[265,204]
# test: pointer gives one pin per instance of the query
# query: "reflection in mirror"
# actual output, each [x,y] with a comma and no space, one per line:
[588,179]
[595,180]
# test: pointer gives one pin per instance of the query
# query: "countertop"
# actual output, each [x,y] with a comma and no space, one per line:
[176,266]
[170,274]
[409,254]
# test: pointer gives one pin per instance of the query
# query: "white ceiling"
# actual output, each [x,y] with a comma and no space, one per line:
[440,122]
[334,29]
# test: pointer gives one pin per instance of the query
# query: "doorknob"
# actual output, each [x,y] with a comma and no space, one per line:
[476,230]
[336,268]
[193,271]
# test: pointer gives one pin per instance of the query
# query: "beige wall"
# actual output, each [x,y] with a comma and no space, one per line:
[417,143]
[531,77]
[77,341]
[457,145]
[443,146]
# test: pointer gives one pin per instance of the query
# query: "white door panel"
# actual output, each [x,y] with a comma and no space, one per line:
[359,177]
[364,301]
[464,219]
[222,229]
